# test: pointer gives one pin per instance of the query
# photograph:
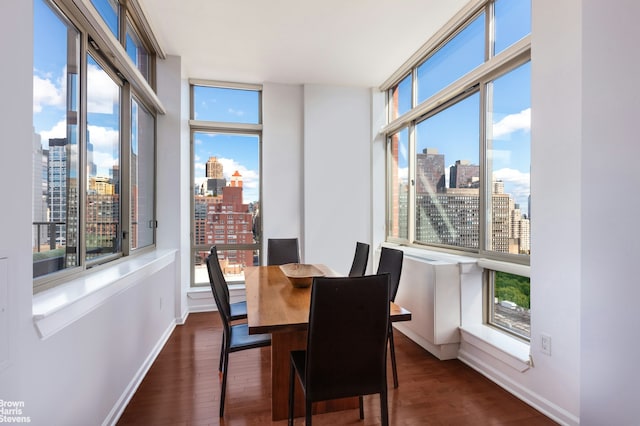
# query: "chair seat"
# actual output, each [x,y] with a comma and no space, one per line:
[241,339]
[238,310]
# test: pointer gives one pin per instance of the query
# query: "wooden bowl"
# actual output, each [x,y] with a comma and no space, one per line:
[300,274]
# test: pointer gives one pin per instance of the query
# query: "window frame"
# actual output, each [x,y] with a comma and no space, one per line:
[106,52]
[508,59]
[220,127]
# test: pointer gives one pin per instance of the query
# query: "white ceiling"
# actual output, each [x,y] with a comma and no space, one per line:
[332,42]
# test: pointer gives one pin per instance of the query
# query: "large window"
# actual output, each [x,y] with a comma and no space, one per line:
[226,134]
[459,154]
[94,183]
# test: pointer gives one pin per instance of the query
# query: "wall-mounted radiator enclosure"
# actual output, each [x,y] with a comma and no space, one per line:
[430,289]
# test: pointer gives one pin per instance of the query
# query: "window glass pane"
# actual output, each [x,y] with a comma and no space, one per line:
[512,22]
[103,163]
[226,105]
[232,263]
[136,51]
[399,185]
[142,176]
[109,11]
[227,197]
[509,160]
[448,176]
[401,98]
[456,58]
[55,142]
[511,308]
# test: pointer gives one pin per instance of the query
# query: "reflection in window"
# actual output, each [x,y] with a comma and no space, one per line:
[142,174]
[399,185]
[512,22]
[55,142]
[103,163]
[137,51]
[447,196]
[400,97]
[453,60]
[109,10]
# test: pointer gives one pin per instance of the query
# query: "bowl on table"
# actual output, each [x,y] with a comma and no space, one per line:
[301,274]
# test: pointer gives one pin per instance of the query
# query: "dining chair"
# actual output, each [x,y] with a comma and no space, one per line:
[391,263]
[346,352]
[360,259]
[236,337]
[282,250]
[238,309]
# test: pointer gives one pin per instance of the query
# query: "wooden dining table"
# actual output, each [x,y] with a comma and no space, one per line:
[275,306]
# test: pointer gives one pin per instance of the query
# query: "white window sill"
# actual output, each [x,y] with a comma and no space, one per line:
[56,308]
[501,346]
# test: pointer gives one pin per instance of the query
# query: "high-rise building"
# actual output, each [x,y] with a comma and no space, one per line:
[430,177]
[213,168]
[57,184]
[463,174]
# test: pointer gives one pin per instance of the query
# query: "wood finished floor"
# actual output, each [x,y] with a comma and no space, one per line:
[183,388]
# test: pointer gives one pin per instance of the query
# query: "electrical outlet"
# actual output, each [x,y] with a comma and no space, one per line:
[545,344]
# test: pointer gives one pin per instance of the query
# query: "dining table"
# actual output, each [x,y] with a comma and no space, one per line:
[277,307]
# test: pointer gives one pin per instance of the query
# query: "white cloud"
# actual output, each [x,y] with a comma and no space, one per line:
[59,130]
[102,91]
[103,139]
[516,183]
[512,123]
[250,178]
[47,93]
[238,113]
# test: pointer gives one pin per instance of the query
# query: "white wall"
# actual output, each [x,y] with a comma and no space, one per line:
[282,142]
[609,185]
[80,374]
[337,173]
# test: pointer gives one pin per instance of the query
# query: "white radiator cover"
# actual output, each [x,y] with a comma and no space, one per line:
[430,289]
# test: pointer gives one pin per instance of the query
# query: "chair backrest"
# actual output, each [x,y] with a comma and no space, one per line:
[347,336]
[391,263]
[219,288]
[360,259]
[282,250]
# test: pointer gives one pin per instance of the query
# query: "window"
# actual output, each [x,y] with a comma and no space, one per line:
[509,307]
[226,139]
[458,158]
[93,183]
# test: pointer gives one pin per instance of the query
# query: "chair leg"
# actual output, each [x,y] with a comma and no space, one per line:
[307,411]
[384,408]
[223,390]
[360,402]
[393,357]
[221,353]
[292,385]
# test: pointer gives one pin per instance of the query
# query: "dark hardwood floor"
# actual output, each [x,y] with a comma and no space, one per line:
[183,388]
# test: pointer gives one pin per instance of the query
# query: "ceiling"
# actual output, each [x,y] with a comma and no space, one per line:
[329,42]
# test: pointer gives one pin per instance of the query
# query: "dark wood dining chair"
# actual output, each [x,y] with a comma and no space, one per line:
[391,263]
[281,251]
[236,337]
[238,309]
[360,259]
[346,353]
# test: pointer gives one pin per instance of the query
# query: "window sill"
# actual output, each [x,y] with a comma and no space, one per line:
[501,346]
[56,308]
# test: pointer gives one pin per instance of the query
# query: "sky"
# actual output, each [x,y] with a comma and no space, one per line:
[455,138]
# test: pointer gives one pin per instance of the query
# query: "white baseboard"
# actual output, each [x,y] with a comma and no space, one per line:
[541,404]
[123,401]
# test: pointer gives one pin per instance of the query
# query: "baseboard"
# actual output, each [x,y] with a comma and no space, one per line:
[549,409]
[123,401]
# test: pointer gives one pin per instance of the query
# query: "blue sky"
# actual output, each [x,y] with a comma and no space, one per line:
[511,119]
